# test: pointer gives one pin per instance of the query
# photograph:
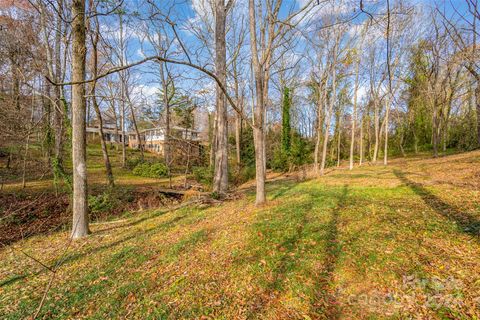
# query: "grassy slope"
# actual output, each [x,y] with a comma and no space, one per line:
[96,171]
[377,242]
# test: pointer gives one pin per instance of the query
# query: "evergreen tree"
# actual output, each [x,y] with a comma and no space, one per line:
[419,117]
[286,129]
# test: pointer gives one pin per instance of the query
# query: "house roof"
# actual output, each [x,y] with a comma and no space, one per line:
[172,127]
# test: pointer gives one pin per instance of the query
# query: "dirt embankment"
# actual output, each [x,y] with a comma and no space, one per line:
[24,215]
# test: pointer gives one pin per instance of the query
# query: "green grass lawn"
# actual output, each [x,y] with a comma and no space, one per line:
[95,169]
[394,242]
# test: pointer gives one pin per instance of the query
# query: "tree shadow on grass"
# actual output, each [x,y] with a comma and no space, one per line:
[466,222]
[304,239]
[326,301]
[78,255]
[280,192]
[135,222]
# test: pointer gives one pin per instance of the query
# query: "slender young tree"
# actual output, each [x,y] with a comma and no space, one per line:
[267,31]
[332,101]
[94,37]
[355,96]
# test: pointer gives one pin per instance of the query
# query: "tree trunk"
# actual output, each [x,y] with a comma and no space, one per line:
[122,136]
[385,152]
[238,129]
[27,143]
[80,205]
[59,110]
[330,111]
[435,130]
[238,139]
[220,178]
[106,158]
[123,89]
[325,144]
[477,103]
[259,141]
[354,115]
[360,162]
[319,128]
[377,132]
[213,140]
[94,70]
[339,139]
[115,117]
[134,122]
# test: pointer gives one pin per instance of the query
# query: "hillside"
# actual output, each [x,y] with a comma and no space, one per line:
[395,242]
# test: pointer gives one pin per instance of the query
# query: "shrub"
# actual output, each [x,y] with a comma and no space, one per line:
[101,203]
[245,174]
[142,169]
[279,160]
[133,162]
[158,169]
[151,170]
[204,175]
[109,200]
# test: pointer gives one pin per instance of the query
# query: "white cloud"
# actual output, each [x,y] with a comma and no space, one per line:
[144,92]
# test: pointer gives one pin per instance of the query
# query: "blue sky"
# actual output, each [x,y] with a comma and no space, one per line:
[187,13]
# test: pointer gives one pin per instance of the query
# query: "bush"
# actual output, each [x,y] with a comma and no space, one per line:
[204,175]
[158,170]
[101,203]
[245,174]
[109,200]
[279,160]
[296,156]
[133,162]
[151,170]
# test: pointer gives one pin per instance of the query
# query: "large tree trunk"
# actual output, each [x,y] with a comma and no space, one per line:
[259,111]
[79,161]
[259,141]
[220,178]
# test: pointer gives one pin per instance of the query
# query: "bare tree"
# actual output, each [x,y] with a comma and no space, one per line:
[79,161]
[267,30]
[220,177]
[94,38]
[355,94]
[464,36]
